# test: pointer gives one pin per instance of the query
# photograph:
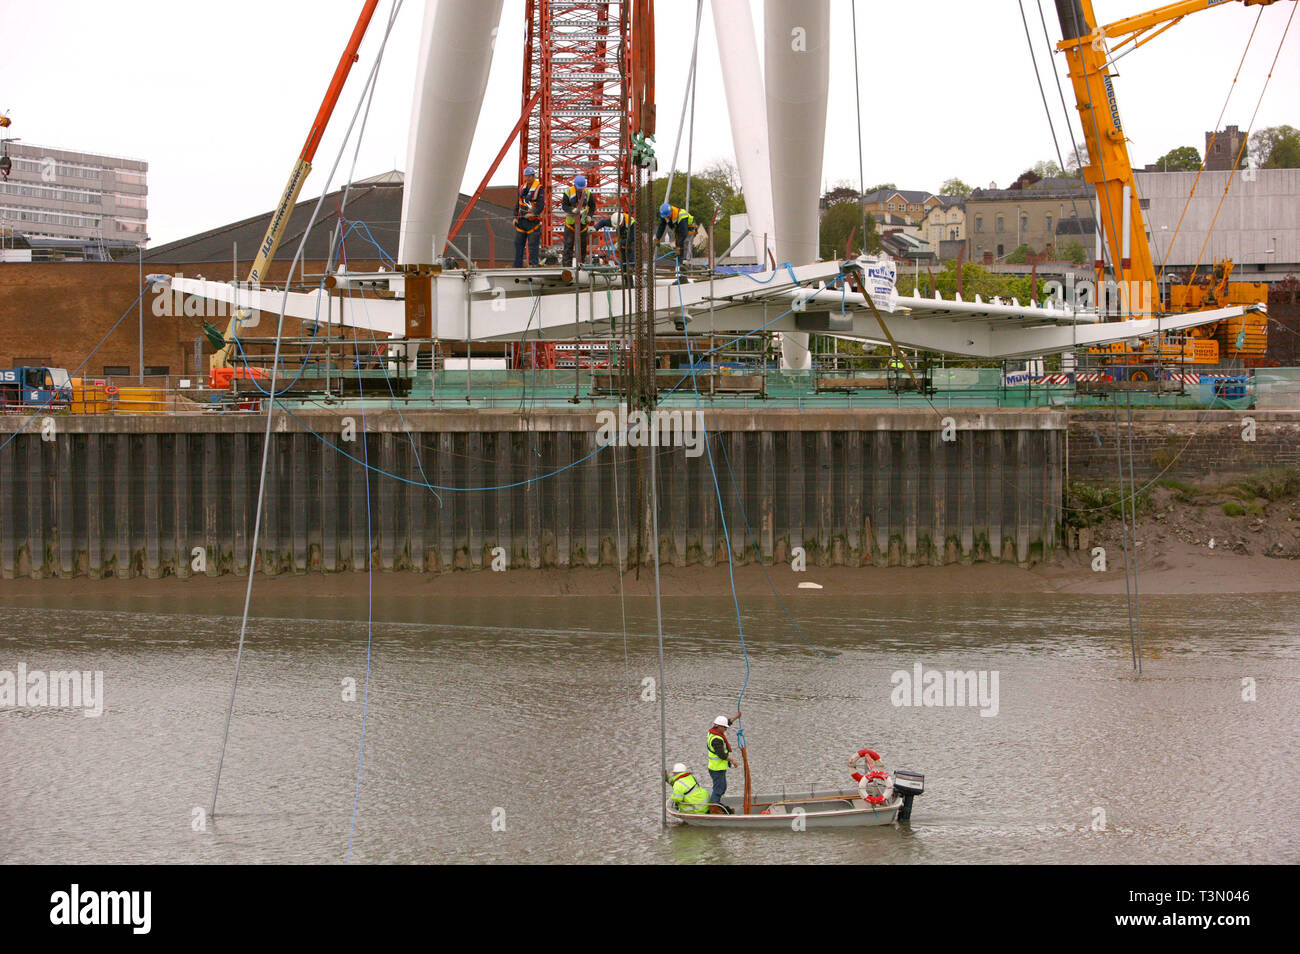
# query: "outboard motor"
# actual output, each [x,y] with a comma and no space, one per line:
[909,785]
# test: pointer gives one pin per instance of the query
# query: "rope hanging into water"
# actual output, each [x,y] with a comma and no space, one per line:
[270,416]
[717,487]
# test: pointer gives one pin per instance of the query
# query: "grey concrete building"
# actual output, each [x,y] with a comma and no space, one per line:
[62,203]
[1258,226]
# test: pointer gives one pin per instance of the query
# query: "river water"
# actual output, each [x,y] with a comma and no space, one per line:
[517,731]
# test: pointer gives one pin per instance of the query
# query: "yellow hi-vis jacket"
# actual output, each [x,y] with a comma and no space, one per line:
[578,203]
[718,764]
[687,794]
[672,220]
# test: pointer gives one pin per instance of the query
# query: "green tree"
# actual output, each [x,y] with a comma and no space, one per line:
[1181,159]
[976,280]
[1073,252]
[877,188]
[840,193]
[1075,159]
[842,220]
[1277,147]
[955,186]
[1046,169]
[1019,256]
[723,170]
[711,193]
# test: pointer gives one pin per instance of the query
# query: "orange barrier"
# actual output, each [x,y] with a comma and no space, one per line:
[89,397]
[141,401]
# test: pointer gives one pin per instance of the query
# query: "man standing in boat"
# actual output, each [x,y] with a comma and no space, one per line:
[718,748]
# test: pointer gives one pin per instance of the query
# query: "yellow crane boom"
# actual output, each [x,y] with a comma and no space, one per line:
[1089,49]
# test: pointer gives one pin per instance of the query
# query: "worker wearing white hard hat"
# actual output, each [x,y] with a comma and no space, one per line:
[718,749]
[621,225]
[687,795]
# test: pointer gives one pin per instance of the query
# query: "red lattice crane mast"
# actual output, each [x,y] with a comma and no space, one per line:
[588,71]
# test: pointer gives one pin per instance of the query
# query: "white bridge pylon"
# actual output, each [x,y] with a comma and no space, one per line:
[548,305]
[780,169]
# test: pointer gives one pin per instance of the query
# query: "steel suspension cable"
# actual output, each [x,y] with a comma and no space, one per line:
[1069,127]
[1244,140]
[1210,145]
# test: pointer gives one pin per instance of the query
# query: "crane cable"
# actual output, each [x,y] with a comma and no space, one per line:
[1210,145]
[1244,140]
[857,95]
[690,85]
[735,599]
[1042,92]
[266,439]
[1100,246]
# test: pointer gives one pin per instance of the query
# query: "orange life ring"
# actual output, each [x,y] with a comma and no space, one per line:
[110,389]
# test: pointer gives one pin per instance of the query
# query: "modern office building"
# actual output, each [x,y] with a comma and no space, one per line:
[66,204]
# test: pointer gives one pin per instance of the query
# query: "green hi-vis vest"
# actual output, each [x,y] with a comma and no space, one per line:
[680,215]
[717,764]
[688,795]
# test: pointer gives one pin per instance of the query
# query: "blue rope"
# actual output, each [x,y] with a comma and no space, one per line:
[722,517]
[529,480]
[766,281]
[392,395]
[358,224]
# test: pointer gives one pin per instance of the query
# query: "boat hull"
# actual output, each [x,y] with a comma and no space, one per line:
[807,808]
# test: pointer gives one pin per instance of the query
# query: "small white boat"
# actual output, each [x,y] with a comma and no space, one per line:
[815,806]
[880,798]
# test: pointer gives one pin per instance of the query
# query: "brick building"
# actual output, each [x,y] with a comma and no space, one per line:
[55,313]
[903,203]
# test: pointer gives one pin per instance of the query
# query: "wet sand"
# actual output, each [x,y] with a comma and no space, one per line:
[1172,568]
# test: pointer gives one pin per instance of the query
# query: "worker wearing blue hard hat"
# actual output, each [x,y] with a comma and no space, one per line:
[579,204]
[682,224]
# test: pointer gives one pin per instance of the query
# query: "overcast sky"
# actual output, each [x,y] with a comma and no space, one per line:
[217,96]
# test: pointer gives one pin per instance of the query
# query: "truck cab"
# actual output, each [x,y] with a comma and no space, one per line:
[1021,372]
[35,388]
